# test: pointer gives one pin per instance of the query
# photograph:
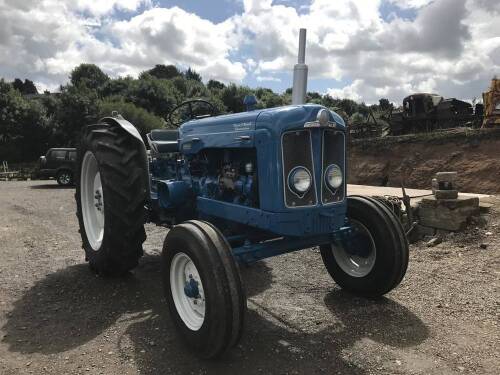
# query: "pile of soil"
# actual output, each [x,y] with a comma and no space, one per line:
[475,155]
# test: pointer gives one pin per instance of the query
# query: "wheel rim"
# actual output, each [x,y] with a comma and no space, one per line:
[64,178]
[92,201]
[187,291]
[356,254]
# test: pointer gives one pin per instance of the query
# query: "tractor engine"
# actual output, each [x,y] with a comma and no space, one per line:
[228,175]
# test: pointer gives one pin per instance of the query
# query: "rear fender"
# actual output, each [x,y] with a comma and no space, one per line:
[125,125]
[117,119]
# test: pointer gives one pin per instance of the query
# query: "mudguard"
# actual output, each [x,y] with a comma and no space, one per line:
[124,124]
[131,129]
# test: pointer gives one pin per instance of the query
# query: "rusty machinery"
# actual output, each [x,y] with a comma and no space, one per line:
[491,100]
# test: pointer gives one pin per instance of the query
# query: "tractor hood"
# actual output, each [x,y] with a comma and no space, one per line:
[279,119]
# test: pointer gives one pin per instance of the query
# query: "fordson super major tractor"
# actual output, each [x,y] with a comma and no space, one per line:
[232,189]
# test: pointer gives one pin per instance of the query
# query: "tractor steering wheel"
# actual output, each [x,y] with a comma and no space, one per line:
[179,115]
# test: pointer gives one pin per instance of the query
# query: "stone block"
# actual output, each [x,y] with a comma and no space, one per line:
[447,214]
[446,194]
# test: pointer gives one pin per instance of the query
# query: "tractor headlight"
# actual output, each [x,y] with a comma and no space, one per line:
[299,180]
[333,176]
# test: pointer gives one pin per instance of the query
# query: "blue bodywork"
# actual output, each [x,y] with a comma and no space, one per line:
[231,170]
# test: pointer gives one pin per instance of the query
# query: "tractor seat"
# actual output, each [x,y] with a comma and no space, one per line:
[163,141]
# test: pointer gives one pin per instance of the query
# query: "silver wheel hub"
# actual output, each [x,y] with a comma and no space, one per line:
[92,200]
[187,291]
[356,254]
[65,178]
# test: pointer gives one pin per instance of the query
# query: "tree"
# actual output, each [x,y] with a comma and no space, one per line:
[78,107]
[384,104]
[117,87]
[192,74]
[143,120]
[313,95]
[161,71]
[26,88]
[29,88]
[18,85]
[89,75]
[232,96]
[196,89]
[155,95]
[348,106]
[269,99]
[23,126]
[213,85]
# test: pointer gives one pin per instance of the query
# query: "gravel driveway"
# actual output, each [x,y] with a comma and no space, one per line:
[56,317]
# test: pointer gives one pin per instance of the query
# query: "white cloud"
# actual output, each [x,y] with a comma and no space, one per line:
[452,46]
[44,41]
[267,78]
[411,3]
[101,7]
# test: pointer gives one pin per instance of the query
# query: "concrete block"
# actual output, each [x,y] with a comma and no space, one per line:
[447,214]
[446,194]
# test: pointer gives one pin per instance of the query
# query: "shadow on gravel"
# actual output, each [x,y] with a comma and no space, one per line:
[382,320]
[72,306]
[54,186]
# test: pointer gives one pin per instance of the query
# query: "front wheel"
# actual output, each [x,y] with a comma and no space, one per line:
[372,259]
[203,288]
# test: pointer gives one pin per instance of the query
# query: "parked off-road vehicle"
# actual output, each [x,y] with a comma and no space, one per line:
[58,163]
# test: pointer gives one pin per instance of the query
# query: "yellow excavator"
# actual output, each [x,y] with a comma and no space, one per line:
[491,100]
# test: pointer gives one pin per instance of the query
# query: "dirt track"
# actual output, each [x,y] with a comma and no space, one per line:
[56,317]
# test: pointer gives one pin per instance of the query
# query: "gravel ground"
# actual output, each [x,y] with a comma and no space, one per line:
[56,317]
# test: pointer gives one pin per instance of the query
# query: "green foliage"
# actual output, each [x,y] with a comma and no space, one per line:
[120,86]
[161,71]
[26,88]
[214,85]
[190,74]
[23,126]
[269,99]
[159,96]
[88,75]
[78,107]
[143,120]
[232,96]
[384,104]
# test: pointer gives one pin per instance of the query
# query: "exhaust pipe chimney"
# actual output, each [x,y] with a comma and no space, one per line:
[300,72]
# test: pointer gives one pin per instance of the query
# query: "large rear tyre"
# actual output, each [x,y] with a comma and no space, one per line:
[203,288]
[373,259]
[111,193]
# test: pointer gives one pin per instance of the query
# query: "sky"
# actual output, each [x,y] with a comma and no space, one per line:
[359,49]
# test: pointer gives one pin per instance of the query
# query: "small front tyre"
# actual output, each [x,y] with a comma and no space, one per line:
[372,259]
[203,288]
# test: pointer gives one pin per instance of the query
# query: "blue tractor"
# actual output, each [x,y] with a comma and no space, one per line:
[232,189]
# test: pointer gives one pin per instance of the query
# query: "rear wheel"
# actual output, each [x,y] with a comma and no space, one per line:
[203,288]
[64,178]
[373,258]
[111,193]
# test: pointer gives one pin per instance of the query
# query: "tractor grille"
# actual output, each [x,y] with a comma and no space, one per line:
[333,153]
[297,151]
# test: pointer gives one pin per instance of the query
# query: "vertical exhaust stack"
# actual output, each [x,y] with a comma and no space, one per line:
[300,72]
